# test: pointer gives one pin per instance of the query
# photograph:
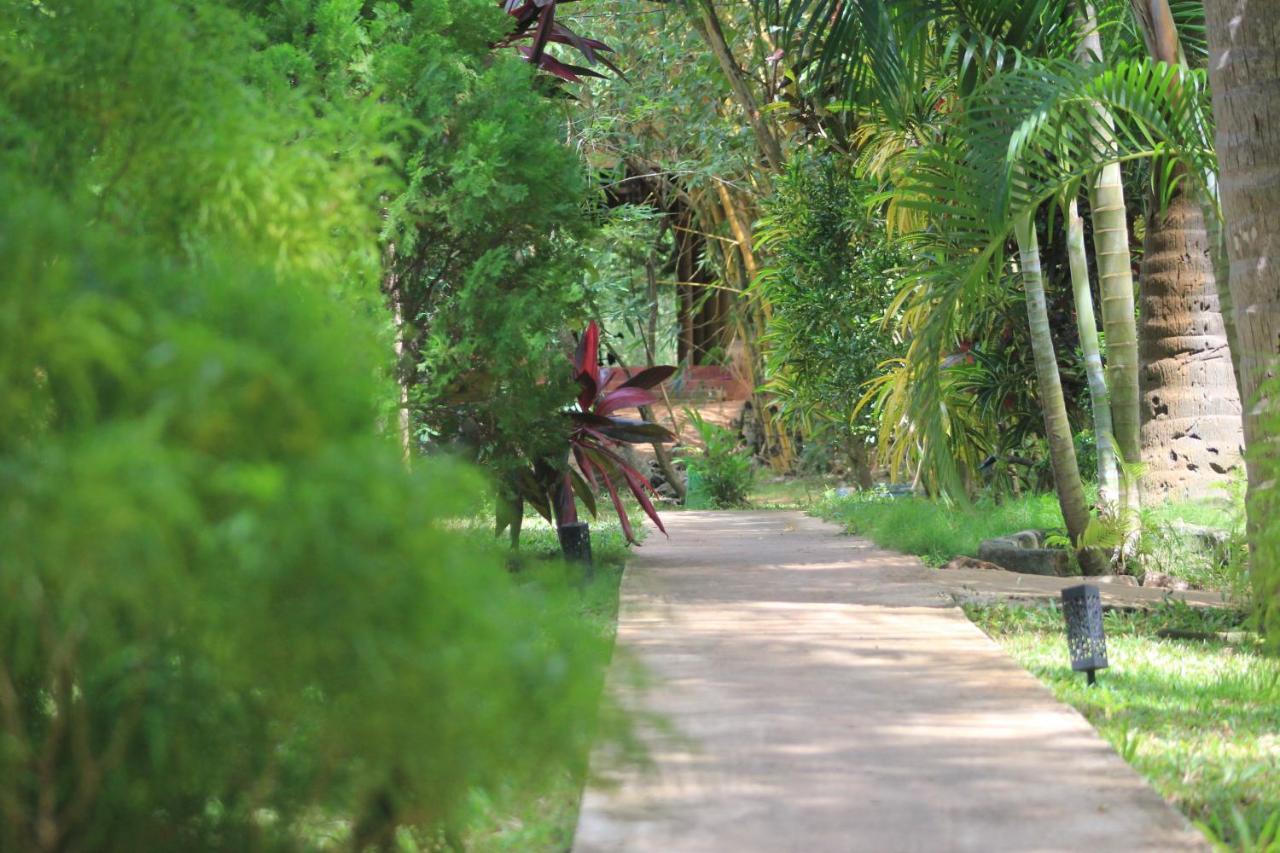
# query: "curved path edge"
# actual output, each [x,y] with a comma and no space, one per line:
[808,692]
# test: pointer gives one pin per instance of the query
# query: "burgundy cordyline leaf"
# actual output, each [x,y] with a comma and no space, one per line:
[635,481]
[583,491]
[586,370]
[584,465]
[636,432]
[639,485]
[617,505]
[545,21]
[589,419]
[624,398]
[650,377]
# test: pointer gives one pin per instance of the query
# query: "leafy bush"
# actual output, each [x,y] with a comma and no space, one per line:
[230,617]
[830,285]
[724,466]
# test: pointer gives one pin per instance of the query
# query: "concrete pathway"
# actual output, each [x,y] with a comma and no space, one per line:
[819,694]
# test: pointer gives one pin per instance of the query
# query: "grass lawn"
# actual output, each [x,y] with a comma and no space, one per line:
[546,823]
[788,492]
[1200,719]
[933,530]
[937,531]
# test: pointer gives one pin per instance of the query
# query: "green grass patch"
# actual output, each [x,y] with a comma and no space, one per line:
[933,530]
[788,492]
[1199,718]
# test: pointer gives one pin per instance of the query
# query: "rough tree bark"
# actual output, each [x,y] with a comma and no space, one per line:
[1244,73]
[1057,427]
[1191,427]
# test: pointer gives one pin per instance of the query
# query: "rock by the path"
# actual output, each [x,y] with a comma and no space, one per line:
[1027,538]
[1004,552]
[1160,580]
[961,563]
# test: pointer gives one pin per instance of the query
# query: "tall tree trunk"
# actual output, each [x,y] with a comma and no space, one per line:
[1108,477]
[1191,427]
[1057,427]
[1191,419]
[1244,72]
[1115,281]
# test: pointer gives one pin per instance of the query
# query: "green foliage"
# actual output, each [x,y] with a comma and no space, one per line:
[482,229]
[230,616]
[724,468]
[1197,718]
[830,283]
[935,530]
[168,122]
[206,543]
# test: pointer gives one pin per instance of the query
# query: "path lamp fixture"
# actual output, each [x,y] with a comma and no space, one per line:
[575,543]
[1082,608]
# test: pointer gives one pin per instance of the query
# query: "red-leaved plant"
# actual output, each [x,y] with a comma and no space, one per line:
[536,23]
[595,437]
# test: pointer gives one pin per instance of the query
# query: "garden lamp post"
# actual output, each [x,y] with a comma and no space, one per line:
[1082,608]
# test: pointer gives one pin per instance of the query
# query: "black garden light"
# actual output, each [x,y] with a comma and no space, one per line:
[575,543]
[1082,607]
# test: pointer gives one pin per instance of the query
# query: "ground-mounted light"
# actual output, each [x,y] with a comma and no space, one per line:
[575,543]
[1086,641]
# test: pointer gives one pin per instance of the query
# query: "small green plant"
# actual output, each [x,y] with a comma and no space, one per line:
[724,468]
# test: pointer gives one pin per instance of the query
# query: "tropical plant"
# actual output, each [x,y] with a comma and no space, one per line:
[829,283]
[724,467]
[536,22]
[594,439]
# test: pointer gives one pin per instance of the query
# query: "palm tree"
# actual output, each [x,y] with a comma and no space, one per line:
[1078,259]
[1191,421]
[1115,273]
[1057,427]
[1244,70]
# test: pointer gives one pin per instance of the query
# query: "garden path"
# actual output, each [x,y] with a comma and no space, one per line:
[811,693]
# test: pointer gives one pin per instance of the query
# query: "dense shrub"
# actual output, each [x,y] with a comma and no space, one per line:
[230,618]
[724,470]
[830,284]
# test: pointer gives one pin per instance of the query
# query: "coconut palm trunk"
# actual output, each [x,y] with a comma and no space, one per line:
[1057,427]
[1115,279]
[1244,73]
[1108,476]
[1192,436]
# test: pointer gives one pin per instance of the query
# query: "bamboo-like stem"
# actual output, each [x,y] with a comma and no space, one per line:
[1115,281]
[1108,476]
[1057,427]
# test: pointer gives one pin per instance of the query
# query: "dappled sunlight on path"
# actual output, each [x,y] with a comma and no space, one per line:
[819,694]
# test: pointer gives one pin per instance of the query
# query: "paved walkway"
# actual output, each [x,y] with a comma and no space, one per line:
[822,695]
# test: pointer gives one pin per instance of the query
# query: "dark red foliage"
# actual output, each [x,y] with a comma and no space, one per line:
[594,440]
[536,23]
